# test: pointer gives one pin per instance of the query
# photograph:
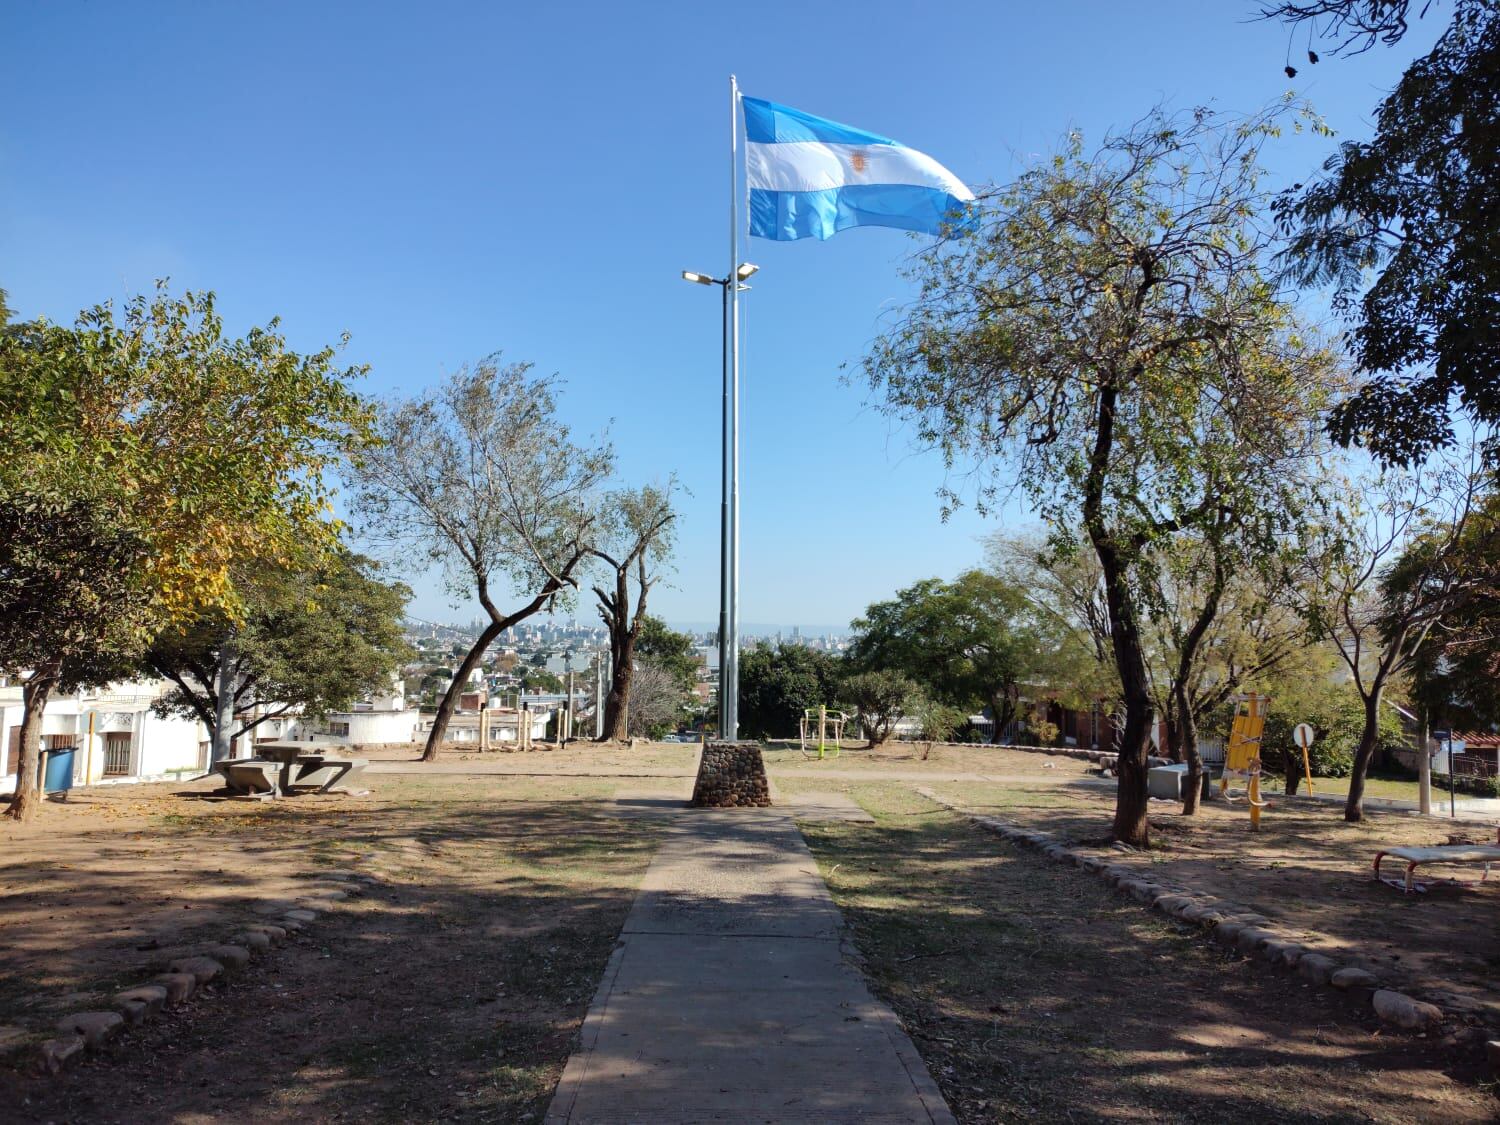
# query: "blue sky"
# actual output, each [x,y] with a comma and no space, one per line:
[447,179]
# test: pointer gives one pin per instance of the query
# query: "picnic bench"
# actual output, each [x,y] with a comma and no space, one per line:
[1438,853]
[277,769]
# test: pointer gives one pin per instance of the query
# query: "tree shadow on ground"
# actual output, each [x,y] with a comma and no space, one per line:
[453,988]
[1036,992]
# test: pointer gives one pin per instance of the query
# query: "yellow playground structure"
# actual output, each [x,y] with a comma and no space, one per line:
[1242,754]
[829,725]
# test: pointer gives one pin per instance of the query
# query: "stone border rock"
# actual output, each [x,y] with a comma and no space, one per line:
[1240,929]
[79,1032]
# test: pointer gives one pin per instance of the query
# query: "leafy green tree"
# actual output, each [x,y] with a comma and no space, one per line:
[634,541]
[975,641]
[170,445]
[1106,339]
[314,635]
[541,680]
[1389,573]
[879,699]
[1454,674]
[778,683]
[1220,615]
[669,650]
[1415,206]
[482,478]
[72,610]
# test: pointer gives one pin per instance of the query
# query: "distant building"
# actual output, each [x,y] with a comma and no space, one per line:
[384,718]
[113,734]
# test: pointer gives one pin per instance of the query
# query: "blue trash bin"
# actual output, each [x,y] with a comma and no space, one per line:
[58,774]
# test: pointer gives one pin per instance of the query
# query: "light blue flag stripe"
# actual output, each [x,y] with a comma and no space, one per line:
[809,177]
[768,123]
[786,216]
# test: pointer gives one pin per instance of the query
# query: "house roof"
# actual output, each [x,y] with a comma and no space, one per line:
[1480,739]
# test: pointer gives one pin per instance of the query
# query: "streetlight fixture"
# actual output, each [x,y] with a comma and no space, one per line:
[729,508]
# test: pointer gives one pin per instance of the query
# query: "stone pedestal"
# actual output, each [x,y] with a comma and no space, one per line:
[731,775]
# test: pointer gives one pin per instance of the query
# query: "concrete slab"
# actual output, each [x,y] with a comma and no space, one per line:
[729,997]
[816,808]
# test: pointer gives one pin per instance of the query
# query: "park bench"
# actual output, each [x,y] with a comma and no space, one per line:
[252,777]
[1440,853]
[324,772]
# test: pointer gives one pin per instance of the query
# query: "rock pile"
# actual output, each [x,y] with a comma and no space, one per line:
[731,775]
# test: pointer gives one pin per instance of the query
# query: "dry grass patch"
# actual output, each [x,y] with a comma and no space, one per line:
[1035,993]
[452,990]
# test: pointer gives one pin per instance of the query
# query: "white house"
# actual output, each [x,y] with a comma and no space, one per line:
[384,718]
[112,731]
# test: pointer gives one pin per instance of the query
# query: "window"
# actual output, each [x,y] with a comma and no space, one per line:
[117,754]
[339,729]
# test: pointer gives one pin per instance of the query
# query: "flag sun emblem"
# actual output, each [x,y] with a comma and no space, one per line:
[859,161]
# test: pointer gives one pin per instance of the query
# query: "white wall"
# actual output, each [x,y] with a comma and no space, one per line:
[159,746]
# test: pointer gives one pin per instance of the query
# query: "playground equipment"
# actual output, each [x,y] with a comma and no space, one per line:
[1242,754]
[827,723]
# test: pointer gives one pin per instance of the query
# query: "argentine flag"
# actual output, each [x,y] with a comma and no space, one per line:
[811,178]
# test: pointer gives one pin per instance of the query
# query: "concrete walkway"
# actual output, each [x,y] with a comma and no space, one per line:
[728,998]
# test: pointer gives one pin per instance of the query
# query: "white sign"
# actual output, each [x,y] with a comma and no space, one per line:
[1303,735]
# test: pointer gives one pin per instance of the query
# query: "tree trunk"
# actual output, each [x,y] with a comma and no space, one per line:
[1004,710]
[623,626]
[1132,824]
[1291,766]
[1424,765]
[1354,809]
[617,702]
[1173,749]
[1187,737]
[223,688]
[34,694]
[449,701]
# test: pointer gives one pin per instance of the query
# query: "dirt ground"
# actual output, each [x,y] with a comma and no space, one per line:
[452,989]
[1306,869]
[1038,994]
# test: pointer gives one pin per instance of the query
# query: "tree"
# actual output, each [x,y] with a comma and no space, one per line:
[177,450]
[1306,689]
[1106,340]
[879,699]
[1418,205]
[315,634]
[539,679]
[1219,616]
[778,684]
[972,642]
[634,543]
[669,650]
[1391,568]
[656,696]
[1453,671]
[72,605]
[481,478]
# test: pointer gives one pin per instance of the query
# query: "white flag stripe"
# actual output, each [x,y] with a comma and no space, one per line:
[816,166]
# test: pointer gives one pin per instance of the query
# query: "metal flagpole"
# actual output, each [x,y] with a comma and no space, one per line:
[729,638]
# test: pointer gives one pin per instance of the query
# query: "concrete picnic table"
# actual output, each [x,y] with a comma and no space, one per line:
[298,767]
